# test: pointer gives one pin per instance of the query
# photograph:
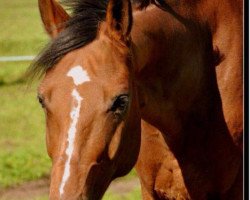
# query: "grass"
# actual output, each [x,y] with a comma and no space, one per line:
[23,155]
[21,29]
[133,195]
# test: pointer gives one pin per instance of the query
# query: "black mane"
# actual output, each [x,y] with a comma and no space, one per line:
[80,30]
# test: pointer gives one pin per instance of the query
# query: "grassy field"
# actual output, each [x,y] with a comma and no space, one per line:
[21,30]
[23,155]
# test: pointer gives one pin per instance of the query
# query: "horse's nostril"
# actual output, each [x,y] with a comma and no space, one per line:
[99,160]
[102,157]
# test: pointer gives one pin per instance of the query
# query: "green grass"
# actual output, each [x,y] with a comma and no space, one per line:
[23,155]
[134,195]
[21,29]
[12,73]
[42,198]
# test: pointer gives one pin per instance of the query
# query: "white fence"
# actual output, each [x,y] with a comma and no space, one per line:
[16,58]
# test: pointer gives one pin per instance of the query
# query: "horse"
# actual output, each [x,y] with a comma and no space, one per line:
[225,19]
[89,96]
[106,69]
[160,175]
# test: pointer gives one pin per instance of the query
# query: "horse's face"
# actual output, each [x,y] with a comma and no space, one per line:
[92,119]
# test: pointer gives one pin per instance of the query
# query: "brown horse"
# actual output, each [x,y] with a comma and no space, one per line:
[225,19]
[159,170]
[97,72]
[89,96]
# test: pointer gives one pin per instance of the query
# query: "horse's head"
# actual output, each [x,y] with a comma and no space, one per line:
[89,97]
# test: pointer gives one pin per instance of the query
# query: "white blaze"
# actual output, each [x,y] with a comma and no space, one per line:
[79,75]
[74,115]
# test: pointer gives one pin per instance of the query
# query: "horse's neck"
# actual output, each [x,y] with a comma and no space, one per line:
[223,16]
[173,65]
[207,10]
[179,94]
[225,19]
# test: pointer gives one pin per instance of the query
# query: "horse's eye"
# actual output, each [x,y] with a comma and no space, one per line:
[120,105]
[41,100]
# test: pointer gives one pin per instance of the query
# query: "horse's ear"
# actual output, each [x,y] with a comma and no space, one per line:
[53,16]
[119,19]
